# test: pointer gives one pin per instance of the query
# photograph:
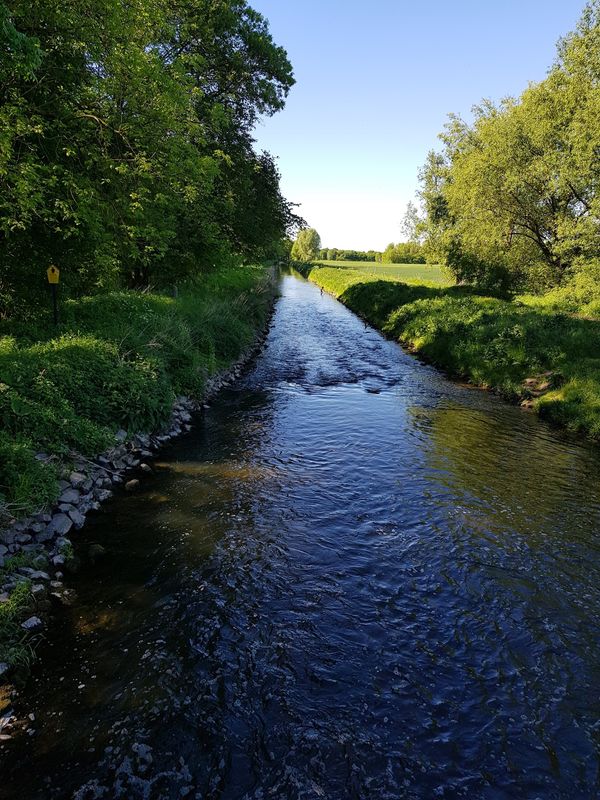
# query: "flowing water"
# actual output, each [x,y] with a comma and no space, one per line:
[353,579]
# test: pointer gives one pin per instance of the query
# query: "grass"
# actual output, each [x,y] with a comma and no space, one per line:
[116,361]
[528,351]
[409,273]
[15,644]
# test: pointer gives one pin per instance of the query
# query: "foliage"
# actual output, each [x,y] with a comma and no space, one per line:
[118,361]
[14,650]
[404,253]
[307,245]
[506,345]
[511,201]
[333,254]
[126,151]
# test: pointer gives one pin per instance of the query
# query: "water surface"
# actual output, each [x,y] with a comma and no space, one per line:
[354,579]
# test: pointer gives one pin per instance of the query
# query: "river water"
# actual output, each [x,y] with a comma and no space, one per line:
[353,579]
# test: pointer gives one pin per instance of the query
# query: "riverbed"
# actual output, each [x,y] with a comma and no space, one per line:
[353,579]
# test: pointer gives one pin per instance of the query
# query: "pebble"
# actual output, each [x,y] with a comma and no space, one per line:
[32,624]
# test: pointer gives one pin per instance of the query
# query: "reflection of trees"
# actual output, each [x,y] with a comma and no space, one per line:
[519,476]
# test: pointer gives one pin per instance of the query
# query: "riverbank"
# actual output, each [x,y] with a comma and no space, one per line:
[529,353]
[120,377]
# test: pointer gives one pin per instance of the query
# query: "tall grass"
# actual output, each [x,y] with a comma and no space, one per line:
[117,361]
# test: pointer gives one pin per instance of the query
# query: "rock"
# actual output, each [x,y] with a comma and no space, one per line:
[96,551]
[39,575]
[77,479]
[145,468]
[121,435]
[32,624]
[4,669]
[23,538]
[60,525]
[58,561]
[78,518]
[7,537]
[3,549]
[40,561]
[65,597]
[69,496]
[132,485]
[66,507]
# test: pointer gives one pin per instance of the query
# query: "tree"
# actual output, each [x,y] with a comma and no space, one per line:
[307,245]
[512,200]
[126,150]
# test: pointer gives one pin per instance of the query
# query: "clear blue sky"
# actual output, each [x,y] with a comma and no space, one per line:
[375,82]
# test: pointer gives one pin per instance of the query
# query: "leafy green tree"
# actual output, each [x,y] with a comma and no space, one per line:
[307,245]
[126,151]
[511,201]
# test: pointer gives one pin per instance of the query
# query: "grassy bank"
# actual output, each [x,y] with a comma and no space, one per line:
[116,361]
[410,273]
[525,349]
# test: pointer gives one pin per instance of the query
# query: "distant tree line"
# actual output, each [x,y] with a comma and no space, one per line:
[404,253]
[512,199]
[333,254]
[126,148]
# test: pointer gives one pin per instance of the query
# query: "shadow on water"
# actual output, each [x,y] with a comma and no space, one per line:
[355,579]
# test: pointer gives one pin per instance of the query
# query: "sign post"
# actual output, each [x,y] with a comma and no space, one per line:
[53,274]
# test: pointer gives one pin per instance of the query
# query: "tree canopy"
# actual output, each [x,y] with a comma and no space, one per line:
[307,246]
[126,149]
[511,200]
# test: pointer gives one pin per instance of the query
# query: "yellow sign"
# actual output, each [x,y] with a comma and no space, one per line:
[53,274]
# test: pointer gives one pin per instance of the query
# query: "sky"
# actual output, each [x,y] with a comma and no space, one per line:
[375,81]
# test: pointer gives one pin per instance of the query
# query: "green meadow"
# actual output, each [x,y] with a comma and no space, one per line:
[428,273]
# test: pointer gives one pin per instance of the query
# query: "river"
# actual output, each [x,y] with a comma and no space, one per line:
[353,579]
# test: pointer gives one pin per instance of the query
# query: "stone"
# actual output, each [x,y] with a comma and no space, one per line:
[132,485]
[39,575]
[145,468]
[7,537]
[66,507]
[96,551]
[77,479]
[40,561]
[4,669]
[60,525]
[121,435]
[65,597]
[69,496]
[32,624]
[78,518]
[3,549]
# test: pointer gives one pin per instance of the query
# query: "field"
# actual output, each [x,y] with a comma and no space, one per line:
[427,273]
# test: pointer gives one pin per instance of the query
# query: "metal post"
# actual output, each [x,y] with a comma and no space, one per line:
[54,303]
